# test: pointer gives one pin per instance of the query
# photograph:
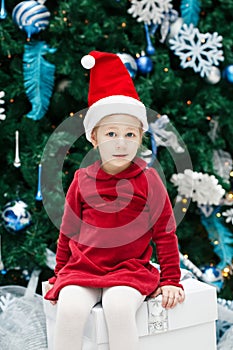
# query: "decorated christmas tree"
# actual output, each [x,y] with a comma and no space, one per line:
[179,54]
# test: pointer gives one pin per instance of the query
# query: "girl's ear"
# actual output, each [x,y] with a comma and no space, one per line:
[94,139]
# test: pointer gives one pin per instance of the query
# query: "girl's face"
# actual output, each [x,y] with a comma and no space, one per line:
[117,137]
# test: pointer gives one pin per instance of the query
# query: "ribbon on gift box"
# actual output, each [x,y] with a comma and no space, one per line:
[157,316]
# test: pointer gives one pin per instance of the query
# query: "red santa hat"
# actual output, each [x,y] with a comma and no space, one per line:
[111,91]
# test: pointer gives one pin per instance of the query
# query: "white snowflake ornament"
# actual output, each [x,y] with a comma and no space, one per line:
[229,216]
[207,190]
[201,188]
[196,50]
[150,11]
[184,182]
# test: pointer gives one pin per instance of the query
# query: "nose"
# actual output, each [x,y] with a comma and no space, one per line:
[120,142]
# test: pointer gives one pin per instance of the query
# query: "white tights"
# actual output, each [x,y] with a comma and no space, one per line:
[120,305]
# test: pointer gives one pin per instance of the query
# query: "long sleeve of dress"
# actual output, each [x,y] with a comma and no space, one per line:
[69,227]
[163,232]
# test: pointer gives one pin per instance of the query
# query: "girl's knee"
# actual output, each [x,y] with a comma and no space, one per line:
[71,304]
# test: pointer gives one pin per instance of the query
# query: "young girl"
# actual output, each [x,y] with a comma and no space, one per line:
[113,209]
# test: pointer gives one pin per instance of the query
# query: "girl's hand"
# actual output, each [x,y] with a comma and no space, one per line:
[171,296]
[47,288]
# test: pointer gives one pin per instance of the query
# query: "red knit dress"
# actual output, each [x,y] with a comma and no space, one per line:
[107,226]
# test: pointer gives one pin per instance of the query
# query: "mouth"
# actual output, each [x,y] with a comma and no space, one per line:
[119,155]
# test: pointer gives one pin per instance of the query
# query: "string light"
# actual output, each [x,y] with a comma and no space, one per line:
[208,117]
[165,70]
[71,114]
[186,256]
[216,242]
[184,200]
[123,24]
[218,215]
[229,196]
[12,100]
[189,102]
[184,210]
[231,173]
[226,271]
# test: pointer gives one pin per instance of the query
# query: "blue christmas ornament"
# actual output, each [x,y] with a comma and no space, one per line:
[129,63]
[213,275]
[190,11]
[31,16]
[144,64]
[3,12]
[39,76]
[150,48]
[220,236]
[228,73]
[39,193]
[15,216]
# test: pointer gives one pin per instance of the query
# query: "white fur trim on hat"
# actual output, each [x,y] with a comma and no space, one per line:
[117,104]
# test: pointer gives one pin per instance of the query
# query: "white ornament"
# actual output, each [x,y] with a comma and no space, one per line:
[164,135]
[175,28]
[150,11]
[184,182]
[196,50]
[229,216]
[201,188]
[2,110]
[222,163]
[214,76]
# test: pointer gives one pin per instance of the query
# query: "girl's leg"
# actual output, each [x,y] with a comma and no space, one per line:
[73,307]
[120,305]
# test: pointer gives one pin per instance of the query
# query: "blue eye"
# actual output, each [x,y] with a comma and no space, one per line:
[130,134]
[111,134]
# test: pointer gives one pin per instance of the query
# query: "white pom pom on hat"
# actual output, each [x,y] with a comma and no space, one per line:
[111,91]
[88,61]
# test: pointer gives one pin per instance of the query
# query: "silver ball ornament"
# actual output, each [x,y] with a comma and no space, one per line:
[214,76]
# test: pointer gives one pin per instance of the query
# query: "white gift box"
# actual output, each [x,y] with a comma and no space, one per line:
[190,325]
